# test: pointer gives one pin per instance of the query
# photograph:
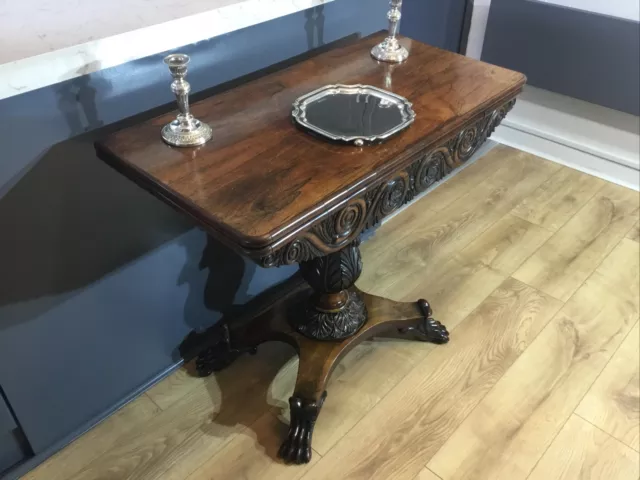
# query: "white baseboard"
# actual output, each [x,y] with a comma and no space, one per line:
[590,138]
[576,159]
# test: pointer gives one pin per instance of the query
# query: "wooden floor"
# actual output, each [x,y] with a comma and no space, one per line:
[534,267]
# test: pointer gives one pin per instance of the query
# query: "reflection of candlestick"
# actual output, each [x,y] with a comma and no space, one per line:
[388,71]
[185,130]
[390,49]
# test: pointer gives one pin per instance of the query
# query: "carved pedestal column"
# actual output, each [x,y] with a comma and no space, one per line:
[333,312]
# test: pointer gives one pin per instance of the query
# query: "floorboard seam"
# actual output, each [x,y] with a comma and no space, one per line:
[604,431]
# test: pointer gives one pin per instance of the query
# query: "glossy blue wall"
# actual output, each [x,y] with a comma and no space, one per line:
[99,281]
[582,54]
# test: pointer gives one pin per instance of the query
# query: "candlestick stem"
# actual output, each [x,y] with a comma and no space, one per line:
[390,49]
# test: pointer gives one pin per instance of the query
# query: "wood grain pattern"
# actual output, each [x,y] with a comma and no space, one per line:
[259,178]
[174,387]
[559,198]
[420,412]
[513,425]
[582,452]
[373,367]
[420,240]
[178,440]
[457,287]
[613,402]
[506,244]
[569,256]
[360,381]
[383,389]
[253,454]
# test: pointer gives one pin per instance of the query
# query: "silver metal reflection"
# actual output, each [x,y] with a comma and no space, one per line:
[390,49]
[388,75]
[185,130]
[387,100]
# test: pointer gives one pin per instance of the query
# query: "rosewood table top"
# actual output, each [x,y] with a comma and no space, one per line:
[260,182]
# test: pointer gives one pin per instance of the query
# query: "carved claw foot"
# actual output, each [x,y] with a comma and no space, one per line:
[219,355]
[297,447]
[428,329]
[433,331]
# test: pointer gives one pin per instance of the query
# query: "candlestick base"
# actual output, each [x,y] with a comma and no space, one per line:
[390,51]
[186,132]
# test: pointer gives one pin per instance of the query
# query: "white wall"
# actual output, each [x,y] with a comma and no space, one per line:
[478,28]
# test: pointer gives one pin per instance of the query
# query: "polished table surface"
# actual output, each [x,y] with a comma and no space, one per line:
[260,180]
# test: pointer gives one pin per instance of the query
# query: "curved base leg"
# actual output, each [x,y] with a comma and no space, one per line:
[220,354]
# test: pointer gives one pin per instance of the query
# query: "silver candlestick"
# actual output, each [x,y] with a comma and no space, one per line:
[390,49]
[185,130]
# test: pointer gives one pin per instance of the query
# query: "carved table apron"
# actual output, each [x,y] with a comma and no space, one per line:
[458,103]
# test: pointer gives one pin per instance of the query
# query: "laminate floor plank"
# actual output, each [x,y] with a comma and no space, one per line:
[583,452]
[566,260]
[426,474]
[540,376]
[513,425]
[176,441]
[174,387]
[418,240]
[559,198]
[613,402]
[253,455]
[358,383]
[506,244]
[397,437]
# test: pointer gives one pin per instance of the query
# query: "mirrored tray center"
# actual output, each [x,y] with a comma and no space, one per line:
[357,114]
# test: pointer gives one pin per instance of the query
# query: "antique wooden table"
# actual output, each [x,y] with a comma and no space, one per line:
[281,196]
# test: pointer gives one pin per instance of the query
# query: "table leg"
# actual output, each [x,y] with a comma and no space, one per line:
[323,321]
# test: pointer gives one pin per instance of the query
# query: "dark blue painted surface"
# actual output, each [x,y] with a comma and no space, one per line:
[10,448]
[99,281]
[582,54]
[435,22]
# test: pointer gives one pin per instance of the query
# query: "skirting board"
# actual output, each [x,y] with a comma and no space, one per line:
[577,159]
[581,135]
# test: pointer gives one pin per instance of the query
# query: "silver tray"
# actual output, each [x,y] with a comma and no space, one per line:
[355,114]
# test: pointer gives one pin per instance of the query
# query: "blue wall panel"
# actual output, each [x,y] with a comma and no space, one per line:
[582,54]
[434,22]
[99,281]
